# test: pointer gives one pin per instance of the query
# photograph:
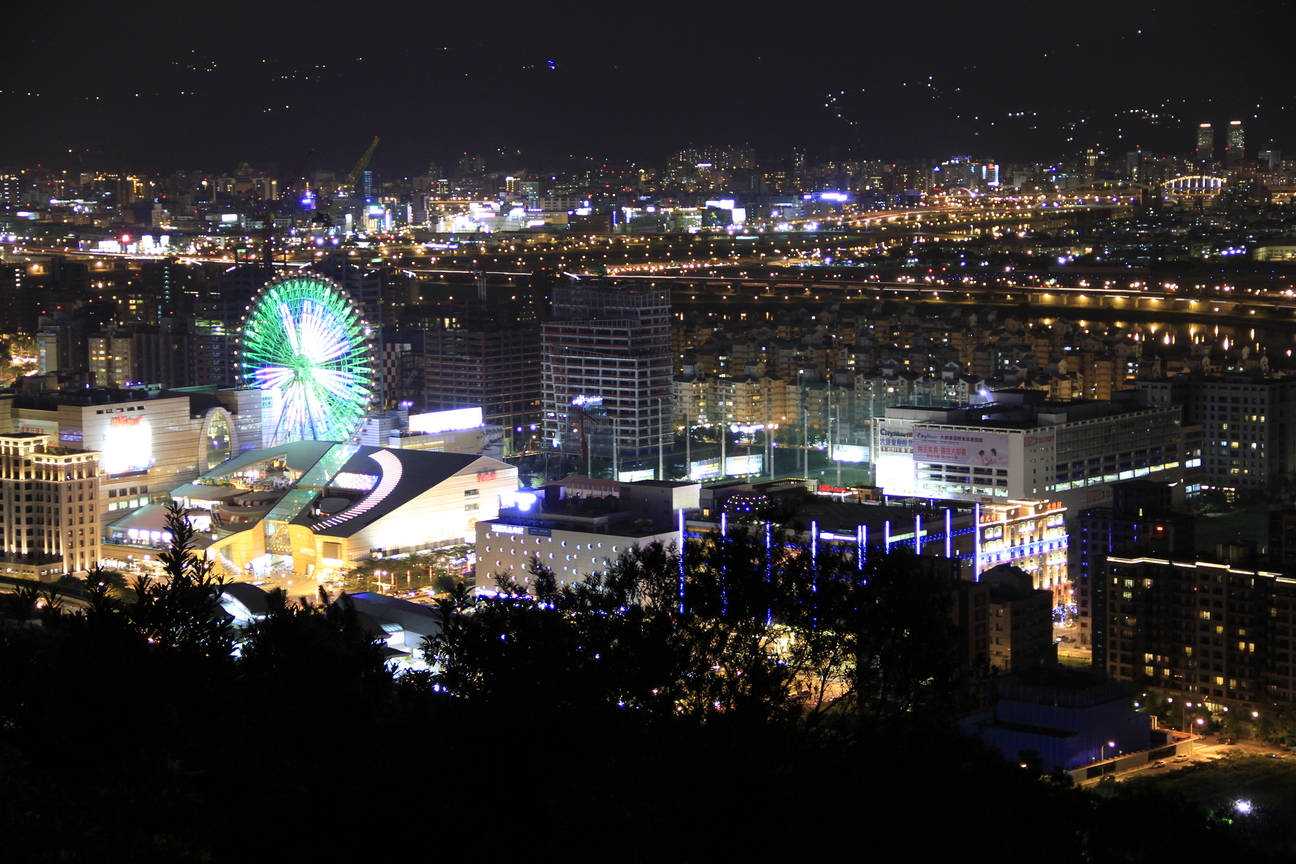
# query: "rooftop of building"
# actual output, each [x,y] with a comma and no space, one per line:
[665,484]
[834,515]
[315,469]
[1059,687]
[50,400]
[1024,409]
[1011,584]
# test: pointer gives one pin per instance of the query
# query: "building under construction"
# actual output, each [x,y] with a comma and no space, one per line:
[477,353]
[606,370]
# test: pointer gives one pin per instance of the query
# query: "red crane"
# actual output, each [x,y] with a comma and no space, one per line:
[581,417]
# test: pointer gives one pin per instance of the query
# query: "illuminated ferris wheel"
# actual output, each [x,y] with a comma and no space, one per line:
[305,344]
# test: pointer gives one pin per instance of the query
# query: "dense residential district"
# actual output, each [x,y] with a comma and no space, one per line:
[801,481]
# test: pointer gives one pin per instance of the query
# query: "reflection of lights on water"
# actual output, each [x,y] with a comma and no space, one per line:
[1242,806]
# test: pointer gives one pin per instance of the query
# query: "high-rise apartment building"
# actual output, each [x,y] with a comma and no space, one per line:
[112,357]
[1246,425]
[19,301]
[606,369]
[1019,619]
[1218,630]
[1236,148]
[1141,521]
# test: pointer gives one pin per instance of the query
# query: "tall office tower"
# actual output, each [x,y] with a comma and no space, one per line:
[365,286]
[606,370]
[1205,143]
[370,185]
[10,189]
[471,166]
[1136,165]
[1236,149]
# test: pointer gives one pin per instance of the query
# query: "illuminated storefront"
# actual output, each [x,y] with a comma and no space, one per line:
[1030,535]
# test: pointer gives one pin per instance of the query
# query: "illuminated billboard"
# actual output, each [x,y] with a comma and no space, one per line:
[127,446]
[895,474]
[436,422]
[738,466]
[636,476]
[961,447]
[895,436]
[704,469]
[850,453]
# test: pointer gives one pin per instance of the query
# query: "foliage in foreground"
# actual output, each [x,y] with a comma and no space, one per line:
[127,734]
[743,627]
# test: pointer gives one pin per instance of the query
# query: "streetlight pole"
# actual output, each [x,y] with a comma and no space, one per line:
[834,440]
[688,435]
[724,433]
[769,437]
[661,443]
[805,424]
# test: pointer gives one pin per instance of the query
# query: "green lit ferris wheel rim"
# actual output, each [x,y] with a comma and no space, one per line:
[305,341]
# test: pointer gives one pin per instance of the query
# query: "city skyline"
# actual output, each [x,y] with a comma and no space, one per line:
[539,89]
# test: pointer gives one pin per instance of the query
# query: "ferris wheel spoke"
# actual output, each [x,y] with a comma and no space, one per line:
[291,411]
[325,340]
[318,414]
[272,377]
[337,383]
[289,328]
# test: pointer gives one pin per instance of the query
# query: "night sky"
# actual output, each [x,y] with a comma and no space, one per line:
[157,87]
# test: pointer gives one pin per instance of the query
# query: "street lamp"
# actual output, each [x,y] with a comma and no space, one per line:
[661,442]
[1103,752]
[805,424]
[688,434]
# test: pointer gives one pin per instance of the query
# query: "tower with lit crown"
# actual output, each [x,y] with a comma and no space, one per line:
[1205,143]
[1236,148]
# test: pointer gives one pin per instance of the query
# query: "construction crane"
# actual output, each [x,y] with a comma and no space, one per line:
[349,188]
[353,178]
